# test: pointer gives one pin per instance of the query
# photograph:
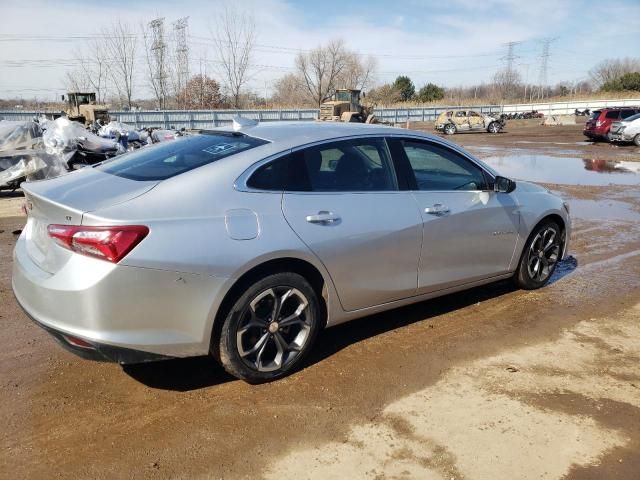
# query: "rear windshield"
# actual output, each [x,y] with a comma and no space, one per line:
[595,115]
[169,159]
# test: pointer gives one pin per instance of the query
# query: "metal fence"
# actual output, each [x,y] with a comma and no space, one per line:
[202,119]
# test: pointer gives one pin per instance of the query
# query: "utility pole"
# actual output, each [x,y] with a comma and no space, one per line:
[181,52]
[158,49]
[544,66]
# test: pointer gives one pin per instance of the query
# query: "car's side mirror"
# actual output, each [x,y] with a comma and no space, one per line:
[504,185]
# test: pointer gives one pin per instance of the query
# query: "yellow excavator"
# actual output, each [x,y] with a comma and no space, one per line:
[82,107]
[345,106]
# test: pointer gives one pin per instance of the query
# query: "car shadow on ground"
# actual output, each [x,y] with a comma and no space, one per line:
[200,372]
[11,194]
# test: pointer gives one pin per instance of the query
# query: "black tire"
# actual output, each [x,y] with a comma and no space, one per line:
[546,262]
[636,140]
[248,337]
[449,129]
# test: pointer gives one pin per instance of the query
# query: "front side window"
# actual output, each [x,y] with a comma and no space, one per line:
[439,168]
[474,114]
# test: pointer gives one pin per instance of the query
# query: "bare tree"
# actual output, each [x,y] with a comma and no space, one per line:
[94,64]
[77,81]
[234,37]
[507,82]
[290,91]
[358,73]
[613,68]
[320,69]
[120,42]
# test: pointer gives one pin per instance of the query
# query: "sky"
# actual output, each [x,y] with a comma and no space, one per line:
[450,43]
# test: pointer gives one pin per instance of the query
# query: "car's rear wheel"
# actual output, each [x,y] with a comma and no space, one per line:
[494,127]
[636,140]
[540,256]
[449,129]
[269,329]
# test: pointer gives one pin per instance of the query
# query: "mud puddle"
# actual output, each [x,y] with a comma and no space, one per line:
[565,170]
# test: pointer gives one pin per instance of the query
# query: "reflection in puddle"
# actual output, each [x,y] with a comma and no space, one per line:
[602,210]
[568,171]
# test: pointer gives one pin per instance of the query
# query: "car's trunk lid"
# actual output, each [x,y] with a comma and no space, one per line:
[64,200]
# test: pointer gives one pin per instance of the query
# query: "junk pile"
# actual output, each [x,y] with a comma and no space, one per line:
[23,155]
[41,149]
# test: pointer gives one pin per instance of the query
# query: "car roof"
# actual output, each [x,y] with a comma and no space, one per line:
[291,134]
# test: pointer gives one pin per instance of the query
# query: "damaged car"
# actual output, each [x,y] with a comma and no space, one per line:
[455,121]
[627,130]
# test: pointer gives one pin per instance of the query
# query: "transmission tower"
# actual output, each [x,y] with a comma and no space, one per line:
[544,66]
[158,50]
[509,79]
[181,51]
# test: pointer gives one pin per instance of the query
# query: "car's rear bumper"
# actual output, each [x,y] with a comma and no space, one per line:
[124,312]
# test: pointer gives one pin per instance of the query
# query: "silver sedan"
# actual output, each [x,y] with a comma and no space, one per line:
[243,243]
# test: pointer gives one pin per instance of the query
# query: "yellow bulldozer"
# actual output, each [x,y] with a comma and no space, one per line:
[82,107]
[346,107]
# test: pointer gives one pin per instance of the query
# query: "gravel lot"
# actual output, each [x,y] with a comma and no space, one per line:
[492,383]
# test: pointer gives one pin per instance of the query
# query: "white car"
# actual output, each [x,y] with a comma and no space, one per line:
[627,130]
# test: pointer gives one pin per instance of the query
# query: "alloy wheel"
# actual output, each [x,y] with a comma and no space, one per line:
[544,252]
[273,329]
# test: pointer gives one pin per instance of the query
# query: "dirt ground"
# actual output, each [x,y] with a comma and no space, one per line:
[493,383]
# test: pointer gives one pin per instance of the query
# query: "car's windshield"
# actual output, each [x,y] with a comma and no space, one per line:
[175,157]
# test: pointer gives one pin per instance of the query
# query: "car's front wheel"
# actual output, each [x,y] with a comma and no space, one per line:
[494,127]
[540,256]
[269,329]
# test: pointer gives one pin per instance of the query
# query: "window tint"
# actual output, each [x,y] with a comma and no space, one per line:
[627,113]
[272,176]
[633,118]
[173,158]
[612,114]
[439,168]
[358,165]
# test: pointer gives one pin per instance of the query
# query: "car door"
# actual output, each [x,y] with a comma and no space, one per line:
[476,121]
[461,120]
[345,205]
[469,231]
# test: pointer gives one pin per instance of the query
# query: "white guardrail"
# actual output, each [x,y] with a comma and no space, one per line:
[203,119]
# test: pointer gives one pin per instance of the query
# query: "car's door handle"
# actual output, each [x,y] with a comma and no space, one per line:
[437,209]
[323,217]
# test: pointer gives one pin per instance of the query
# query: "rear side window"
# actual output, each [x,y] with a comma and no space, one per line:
[169,159]
[612,114]
[359,165]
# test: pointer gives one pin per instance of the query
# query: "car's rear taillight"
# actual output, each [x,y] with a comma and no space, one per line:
[107,243]
[598,123]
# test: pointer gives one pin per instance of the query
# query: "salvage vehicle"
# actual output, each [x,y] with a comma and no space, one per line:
[454,121]
[82,107]
[346,107]
[627,130]
[287,228]
[599,122]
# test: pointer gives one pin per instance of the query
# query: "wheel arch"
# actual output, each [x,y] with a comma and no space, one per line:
[275,265]
[548,216]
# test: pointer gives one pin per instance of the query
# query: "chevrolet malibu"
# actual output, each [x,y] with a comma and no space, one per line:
[244,243]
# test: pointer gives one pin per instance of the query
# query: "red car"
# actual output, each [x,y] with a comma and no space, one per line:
[599,122]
